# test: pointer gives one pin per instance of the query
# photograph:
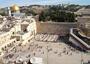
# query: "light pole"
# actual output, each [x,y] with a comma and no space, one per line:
[47,52]
[81,57]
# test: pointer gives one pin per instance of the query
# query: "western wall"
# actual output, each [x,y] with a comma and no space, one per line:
[61,28]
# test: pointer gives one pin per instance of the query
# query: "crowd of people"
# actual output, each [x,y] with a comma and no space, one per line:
[35,48]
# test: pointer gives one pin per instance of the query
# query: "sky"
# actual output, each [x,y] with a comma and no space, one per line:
[6,3]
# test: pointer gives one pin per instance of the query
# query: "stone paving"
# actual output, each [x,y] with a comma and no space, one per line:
[55,52]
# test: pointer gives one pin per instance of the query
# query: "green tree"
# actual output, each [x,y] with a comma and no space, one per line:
[3,14]
[57,14]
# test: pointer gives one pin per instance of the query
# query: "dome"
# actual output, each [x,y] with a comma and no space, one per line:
[15,8]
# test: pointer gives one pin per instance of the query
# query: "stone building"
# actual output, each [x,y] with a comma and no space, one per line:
[17,31]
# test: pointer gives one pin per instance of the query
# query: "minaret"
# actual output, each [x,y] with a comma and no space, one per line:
[9,11]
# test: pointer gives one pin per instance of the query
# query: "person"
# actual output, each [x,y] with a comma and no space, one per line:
[34,54]
[1,61]
[29,62]
[24,62]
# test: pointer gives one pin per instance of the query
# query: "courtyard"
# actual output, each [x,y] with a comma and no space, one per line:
[47,47]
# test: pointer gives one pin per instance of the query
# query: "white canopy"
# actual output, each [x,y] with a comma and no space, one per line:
[36,60]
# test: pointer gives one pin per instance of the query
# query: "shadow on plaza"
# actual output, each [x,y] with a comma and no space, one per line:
[65,39]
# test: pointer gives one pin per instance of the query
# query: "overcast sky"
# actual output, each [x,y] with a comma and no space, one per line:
[5,3]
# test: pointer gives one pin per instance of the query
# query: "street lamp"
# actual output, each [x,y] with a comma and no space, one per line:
[47,52]
[81,57]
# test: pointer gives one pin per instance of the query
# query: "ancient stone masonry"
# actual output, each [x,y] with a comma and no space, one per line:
[55,27]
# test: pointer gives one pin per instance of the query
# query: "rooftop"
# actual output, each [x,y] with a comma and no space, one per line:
[83,11]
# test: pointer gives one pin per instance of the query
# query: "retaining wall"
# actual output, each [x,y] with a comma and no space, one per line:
[61,28]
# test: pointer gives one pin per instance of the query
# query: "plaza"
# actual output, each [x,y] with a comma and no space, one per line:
[52,52]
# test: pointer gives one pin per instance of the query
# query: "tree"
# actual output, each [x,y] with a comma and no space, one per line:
[55,14]
[3,14]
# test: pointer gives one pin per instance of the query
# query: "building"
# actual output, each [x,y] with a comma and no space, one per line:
[16,31]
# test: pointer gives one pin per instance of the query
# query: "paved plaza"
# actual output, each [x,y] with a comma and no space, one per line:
[51,51]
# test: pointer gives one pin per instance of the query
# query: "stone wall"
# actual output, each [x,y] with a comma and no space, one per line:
[61,28]
[84,24]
